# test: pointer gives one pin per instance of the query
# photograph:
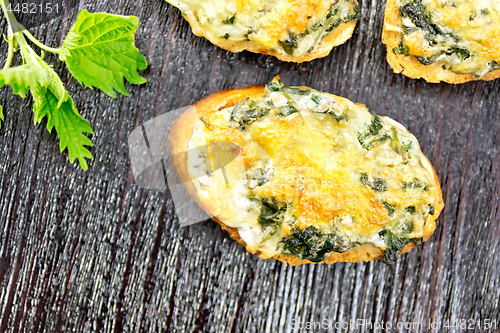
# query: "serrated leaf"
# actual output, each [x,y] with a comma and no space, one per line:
[45,75]
[53,101]
[20,78]
[99,51]
[68,123]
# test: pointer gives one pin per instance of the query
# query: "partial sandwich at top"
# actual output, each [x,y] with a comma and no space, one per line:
[291,30]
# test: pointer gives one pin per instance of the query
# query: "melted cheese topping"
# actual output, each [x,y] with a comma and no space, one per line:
[311,159]
[465,38]
[295,27]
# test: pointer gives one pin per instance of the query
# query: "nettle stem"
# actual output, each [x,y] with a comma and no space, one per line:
[10,52]
[16,31]
[11,19]
[37,42]
[12,24]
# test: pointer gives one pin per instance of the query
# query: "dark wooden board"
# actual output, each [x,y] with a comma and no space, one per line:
[92,252]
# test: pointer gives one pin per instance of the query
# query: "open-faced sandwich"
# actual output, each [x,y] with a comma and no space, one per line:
[443,40]
[320,179]
[290,30]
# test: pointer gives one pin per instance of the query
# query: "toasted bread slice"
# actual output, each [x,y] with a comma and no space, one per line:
[330,188]
[290,30]
[438,71]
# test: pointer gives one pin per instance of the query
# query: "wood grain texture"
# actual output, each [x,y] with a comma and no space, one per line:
[92,252]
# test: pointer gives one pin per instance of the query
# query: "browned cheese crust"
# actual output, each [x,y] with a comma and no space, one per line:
[181,134]
[409,65]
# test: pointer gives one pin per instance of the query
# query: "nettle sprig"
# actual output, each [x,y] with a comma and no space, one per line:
[99,51]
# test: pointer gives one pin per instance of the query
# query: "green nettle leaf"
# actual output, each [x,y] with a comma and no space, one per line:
[53,101]
[69,125]
[45,75]
[19,78]
[99,51]
[1,116]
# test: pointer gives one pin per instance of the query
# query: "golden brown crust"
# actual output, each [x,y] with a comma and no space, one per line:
[409,65]
[181,133]
[336,37]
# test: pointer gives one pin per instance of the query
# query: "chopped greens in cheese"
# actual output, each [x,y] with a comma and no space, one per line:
[321,175]
[285,26]
[461,35]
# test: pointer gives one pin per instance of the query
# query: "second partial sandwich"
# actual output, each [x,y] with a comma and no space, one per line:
[451,41]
